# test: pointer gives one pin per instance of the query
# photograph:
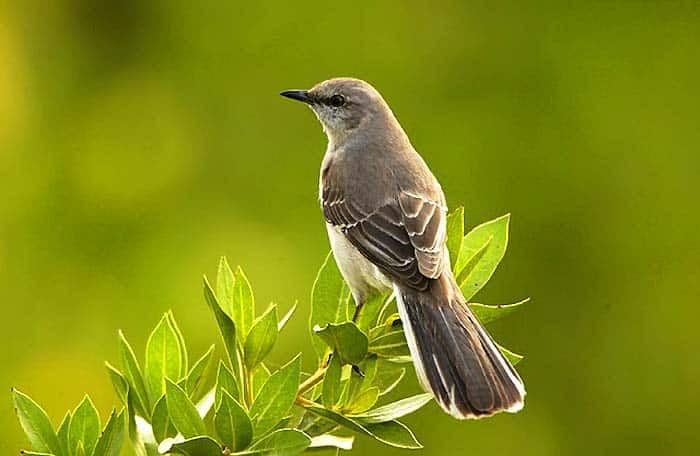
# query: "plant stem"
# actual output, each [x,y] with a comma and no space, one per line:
[303,402]
[312,381]
[249,386]
[316,377]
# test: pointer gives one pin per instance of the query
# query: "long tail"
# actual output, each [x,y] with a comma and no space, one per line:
[455,357]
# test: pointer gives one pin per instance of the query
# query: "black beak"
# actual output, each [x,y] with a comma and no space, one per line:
[299,95]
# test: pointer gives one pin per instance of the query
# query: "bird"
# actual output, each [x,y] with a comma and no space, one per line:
[385,214]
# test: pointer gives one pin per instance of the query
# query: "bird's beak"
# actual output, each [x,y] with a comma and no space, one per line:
[299,95]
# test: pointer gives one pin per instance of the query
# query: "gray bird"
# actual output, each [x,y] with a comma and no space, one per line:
[385,216]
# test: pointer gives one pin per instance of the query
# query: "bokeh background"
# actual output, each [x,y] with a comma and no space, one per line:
[141,140]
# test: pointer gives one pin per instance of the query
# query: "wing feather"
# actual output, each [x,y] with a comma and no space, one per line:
[404,237]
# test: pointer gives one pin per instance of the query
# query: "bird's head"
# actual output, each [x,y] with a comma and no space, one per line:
[343,105]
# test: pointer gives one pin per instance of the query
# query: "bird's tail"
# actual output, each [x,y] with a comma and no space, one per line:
[455,357]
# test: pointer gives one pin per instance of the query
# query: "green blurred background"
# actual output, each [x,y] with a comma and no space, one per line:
[141,140]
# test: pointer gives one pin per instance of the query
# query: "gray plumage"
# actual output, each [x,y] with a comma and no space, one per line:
[385,216]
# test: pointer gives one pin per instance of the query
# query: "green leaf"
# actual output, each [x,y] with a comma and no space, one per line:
[35,424]
[206,403]
[346,340]
[160,420]
[140,447]
[261,339]
[119,383]
[181,340]
[455,233]
[136,443]
[232,423]
[370,377]
[353,385]
[282,442]
[62,433]
[370,310]
[389,312]
[386,377]
[394,433]
[196,374]
[330,301]
[276,397]
[224,286]
[243,304]
[330,440]
[84,426]
[34,453]
[182,411]
[365,400]
[260,376]
[110,442]
[497,231]
[79,449]
[513,357]
[394,410]
[314,425]
[225,381]
[163,358]
[490,313]
[132,373]
[197,446]
[388,342]
[331,383]
[477,253]
[285,319]
[391,433]
[227,329]
[345,385]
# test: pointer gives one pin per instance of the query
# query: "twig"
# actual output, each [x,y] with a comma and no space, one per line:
[312,381]
[303,402]
[316,377]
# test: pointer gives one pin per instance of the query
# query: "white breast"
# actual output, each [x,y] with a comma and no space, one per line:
[360,274]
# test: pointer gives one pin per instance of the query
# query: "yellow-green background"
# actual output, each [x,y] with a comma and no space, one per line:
[141,140]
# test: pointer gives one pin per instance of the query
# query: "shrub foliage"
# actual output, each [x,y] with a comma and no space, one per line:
[240,404]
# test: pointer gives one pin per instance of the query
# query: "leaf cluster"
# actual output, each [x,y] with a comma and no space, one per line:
[79,434]
[240,404]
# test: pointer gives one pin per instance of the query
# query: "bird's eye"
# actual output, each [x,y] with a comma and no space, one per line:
[337,101]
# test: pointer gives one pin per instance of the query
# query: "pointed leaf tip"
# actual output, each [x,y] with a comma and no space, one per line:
[330,301]
[227,328]
[110,442]
[84,426]
[182,411]
[490,313]
[261,338]
[133,375]
[243,304]
[163,357]
[482,250]
[35,423]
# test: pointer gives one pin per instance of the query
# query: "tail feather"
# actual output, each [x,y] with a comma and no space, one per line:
[455,357]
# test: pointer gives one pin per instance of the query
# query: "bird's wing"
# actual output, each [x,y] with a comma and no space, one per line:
[404,237]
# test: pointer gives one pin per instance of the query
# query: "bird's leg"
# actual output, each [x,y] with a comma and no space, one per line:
[358,308]
[360,298]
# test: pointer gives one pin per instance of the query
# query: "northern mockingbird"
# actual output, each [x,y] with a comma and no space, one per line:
[385,216]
